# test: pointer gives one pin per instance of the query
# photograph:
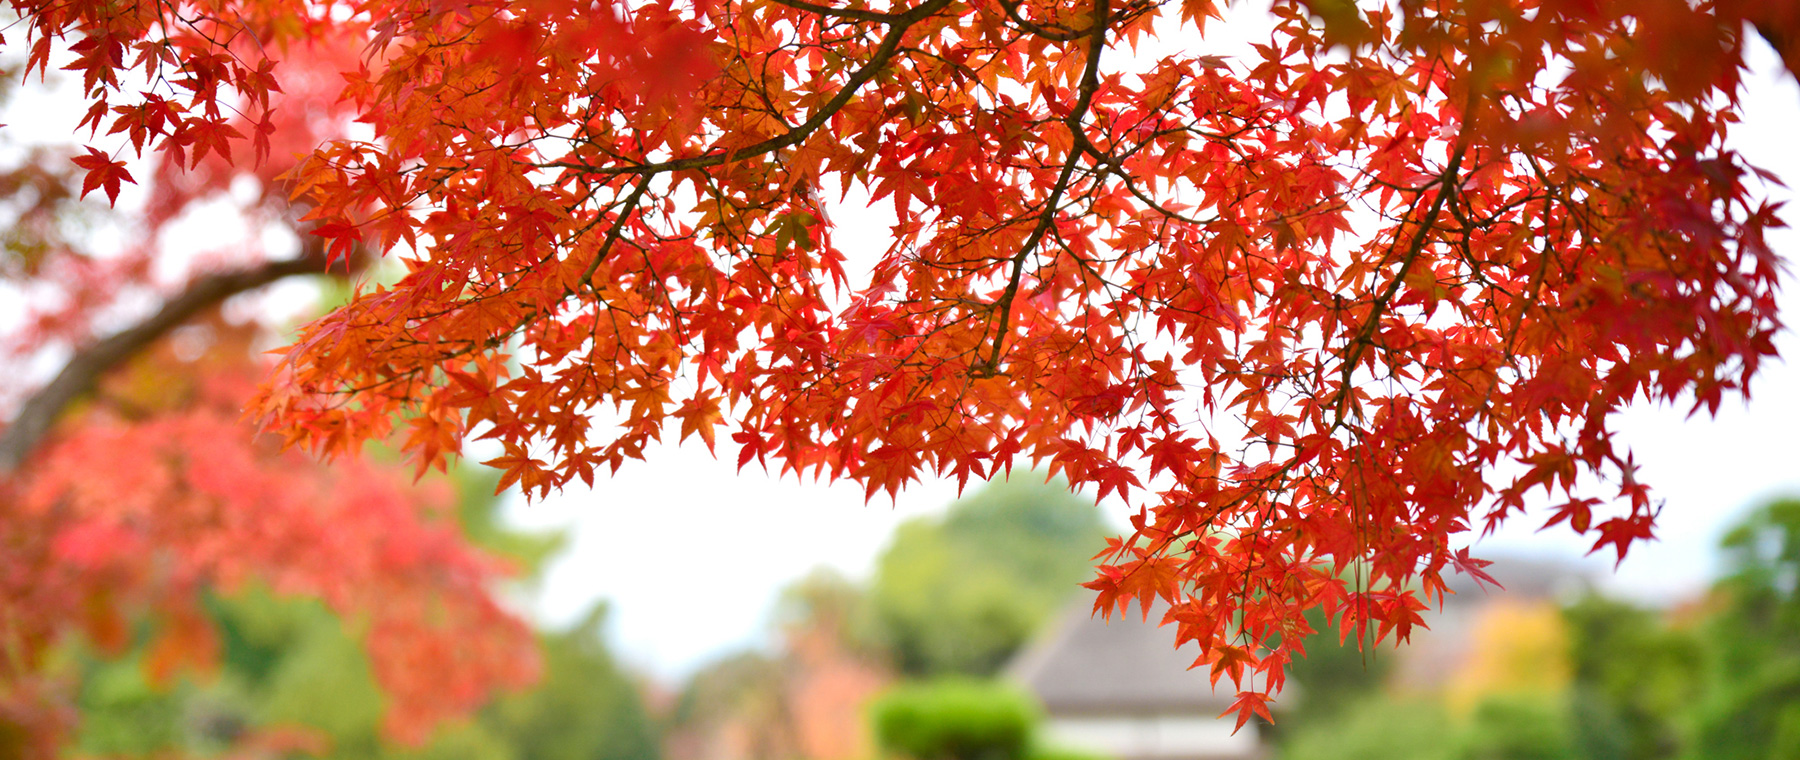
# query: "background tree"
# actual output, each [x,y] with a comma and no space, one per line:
[748,689]
[826,601]
[1752,707]
[960,595]
[133,555]
[1373,729]
[1337,674]
[152,542]
[587,707]
[291,667]
[1636,678]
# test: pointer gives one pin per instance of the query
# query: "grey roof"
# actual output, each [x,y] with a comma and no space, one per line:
[1084,664]
[1522,577]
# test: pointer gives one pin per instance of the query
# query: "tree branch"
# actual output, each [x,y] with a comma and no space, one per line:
[1090,83]
[1365,335]
[884,53]
[84,369]
[855,14]
[1782,31]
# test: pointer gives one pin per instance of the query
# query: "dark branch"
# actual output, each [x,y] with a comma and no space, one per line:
[78,377]
[883,55]
[855,14]
[1365,335]
[1784,37]
[1090,83]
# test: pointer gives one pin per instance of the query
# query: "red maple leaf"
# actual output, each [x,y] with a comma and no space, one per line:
[102,172]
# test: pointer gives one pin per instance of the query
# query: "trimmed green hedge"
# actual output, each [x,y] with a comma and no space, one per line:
[955,719]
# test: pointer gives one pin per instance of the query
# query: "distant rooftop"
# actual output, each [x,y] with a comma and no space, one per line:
[1553,579]
[1084,664]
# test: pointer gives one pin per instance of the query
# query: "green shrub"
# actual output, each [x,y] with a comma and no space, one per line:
[1375,729]
[955,719]
[1519,727]
[1038,752]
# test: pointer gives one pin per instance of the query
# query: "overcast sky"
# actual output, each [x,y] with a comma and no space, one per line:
[691,555]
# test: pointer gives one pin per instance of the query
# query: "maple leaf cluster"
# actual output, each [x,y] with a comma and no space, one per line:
[1318,311]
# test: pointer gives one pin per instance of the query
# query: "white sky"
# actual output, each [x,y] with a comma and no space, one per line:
[692,556]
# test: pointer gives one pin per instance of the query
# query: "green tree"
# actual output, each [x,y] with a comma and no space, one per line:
[1634,679]
[1752,711]
[586,708]
[962,594]
[1723,687]
[1335,674]
[1519,727]
[747,687]
[1378,728]
[283,661]
[826,601]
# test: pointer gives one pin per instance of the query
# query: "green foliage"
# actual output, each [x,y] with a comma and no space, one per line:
[1038,751]
[955,719]
[1376,729]
[826,601]
[748,688]
[309,671]
[1753,707]
[1633,678]
[324,681]
[123,714]
[961,595]
[724,687]
[1522,727]
[585,708]
[281,661]
[1334,676]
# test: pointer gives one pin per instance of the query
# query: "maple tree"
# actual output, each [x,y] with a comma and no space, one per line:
[132,490]
[1319,310]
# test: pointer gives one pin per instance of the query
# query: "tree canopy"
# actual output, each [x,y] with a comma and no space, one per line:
[1316,311]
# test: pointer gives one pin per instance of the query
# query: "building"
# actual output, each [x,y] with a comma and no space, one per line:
[1121,690]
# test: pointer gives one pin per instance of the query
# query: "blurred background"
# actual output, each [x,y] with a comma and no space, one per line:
[173,586]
